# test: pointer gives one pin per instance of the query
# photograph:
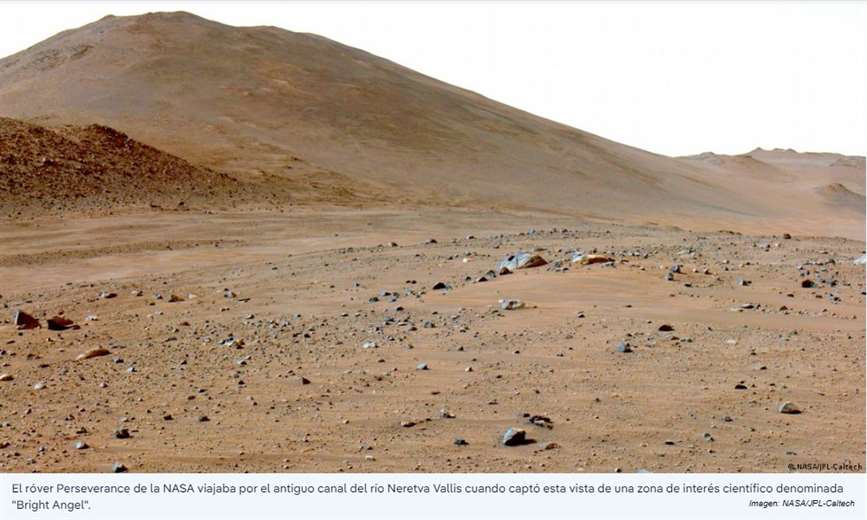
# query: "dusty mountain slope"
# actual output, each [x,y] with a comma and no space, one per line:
[261,100]
[96,168]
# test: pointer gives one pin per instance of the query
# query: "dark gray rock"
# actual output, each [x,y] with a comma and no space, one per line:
[514,437]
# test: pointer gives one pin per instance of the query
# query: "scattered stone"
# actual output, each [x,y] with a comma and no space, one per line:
[511,305]
[789,408]
[440,285]
[303,380]
[421,366]
[60,323]
[6,377]
[623,347]
[81,445]
[174,298]
[541,421]
[519,260]
[117,467]
[591,259]
[92,353]
[460,442]
[514,437]
[121,433]
[232,342]
[807,283]
[25,321]
[407,424]
[105,295]
[665,328]
[368,344]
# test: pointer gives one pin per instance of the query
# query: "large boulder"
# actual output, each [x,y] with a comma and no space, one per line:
[519,260]
[25,321]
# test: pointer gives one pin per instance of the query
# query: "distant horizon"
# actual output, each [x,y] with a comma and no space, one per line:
[807,96]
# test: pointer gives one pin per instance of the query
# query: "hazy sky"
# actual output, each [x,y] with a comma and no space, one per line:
[673,78]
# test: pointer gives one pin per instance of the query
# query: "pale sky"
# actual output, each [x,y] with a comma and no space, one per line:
[671,77]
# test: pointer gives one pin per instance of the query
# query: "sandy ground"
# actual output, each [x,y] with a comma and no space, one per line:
[296,391]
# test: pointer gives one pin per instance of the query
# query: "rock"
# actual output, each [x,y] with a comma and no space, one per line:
[407,424]
[60,323]
[25,321]
[204,418]
[579,257]
[807,283]
[233,342]
[550,446]
[303,380]
[740,386]
[121,433]
[665,328]
[541,421]
[92,353]
[511,305]
[787,236]
[40,386]
[440,285]
[117,467]
[789,408]
[421,366]
[105,295]
[6,377]
[460,442]
[514,437]
[174,298]
[81,445]
[594,259]
[368,344]
[623,347]
[519,260]
[445,414]
[861,260]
